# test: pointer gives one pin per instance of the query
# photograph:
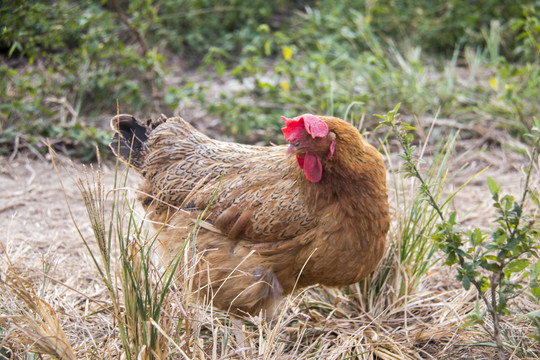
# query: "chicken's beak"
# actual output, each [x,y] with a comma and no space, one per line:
[291,149]
[295,148]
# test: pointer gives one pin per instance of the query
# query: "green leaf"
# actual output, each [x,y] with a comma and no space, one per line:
[484,283]
[516,266]
[536,292]
[452,259]
[466,282]
[407,127]
[476,237]
[508,202]
[220,68]
[493,267]
[500,240]
[267,47]
[409,138]
[493,187]
[452,219]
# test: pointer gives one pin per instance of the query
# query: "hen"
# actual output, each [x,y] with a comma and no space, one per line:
[277,218]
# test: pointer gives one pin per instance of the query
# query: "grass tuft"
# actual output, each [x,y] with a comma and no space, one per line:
[409,308]
[34,323]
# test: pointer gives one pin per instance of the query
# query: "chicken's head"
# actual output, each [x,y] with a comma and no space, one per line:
[311,142]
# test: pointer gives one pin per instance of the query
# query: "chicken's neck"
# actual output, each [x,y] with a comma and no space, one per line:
[354,179]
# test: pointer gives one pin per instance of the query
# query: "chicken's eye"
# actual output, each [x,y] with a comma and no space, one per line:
[296,143]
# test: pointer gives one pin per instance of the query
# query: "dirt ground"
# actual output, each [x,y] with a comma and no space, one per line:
[37,226]
[35,218]
[36,221]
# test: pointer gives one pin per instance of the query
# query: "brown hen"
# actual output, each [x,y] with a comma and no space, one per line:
[279,218]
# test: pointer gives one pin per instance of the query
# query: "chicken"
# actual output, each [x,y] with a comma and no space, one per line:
[275,218]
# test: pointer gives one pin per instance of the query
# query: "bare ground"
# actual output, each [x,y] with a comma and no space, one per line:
[37,229]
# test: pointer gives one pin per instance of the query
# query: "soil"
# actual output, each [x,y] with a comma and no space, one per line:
[35,218]
[41,212]
[43,216]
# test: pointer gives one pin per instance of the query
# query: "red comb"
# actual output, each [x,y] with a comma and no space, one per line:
[293,129]
[311,123]
[315,126]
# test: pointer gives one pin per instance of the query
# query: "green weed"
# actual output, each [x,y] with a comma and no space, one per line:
[475,63]
[496,265]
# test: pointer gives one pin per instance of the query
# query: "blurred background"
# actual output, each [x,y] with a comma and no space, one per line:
[232,67]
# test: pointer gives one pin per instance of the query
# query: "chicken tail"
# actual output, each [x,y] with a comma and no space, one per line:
[129,142]
[129,139]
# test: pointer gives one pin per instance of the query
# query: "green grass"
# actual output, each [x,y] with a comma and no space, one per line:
[473,70]
[65,70]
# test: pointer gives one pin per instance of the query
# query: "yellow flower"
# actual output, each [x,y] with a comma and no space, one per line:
[287,52]
[494,83]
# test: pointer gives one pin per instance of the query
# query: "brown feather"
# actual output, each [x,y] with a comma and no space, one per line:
[267,228]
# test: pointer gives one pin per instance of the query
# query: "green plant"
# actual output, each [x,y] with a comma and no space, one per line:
[216,30]
[353,60]
[64,64]
[411,251]
[496,266]
[70,65]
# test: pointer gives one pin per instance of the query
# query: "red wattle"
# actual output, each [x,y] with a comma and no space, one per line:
[300,161]
[312,167]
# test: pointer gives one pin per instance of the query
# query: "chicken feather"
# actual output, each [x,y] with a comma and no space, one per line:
[270,226]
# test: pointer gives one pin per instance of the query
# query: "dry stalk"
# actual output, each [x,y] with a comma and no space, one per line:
[36,323]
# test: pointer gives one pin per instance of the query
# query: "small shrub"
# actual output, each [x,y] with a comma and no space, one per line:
[496,265]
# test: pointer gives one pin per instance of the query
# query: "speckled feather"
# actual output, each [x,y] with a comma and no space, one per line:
[268,230]
[182,159]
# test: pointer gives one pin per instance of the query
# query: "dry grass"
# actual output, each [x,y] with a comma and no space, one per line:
[53,302]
